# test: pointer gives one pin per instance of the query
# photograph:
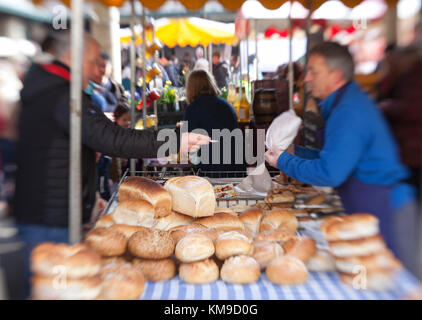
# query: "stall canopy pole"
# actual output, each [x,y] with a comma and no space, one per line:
[132,76]
[256,47]
[75,179]
[290,58]
[144,70]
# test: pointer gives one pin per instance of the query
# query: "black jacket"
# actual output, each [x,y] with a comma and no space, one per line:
[42,183]
[221,74]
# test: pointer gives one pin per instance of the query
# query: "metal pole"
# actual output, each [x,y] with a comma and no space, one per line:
[256,48]
[75,172]
[290,59]
[247,62]
[132,76]
[210,56]
[144,63]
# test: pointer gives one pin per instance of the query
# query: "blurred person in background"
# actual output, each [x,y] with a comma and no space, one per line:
[184,68]
[202,64]
[199,53]
[171,68]
[220,70]
[359,156]
[207,111]
[42,183]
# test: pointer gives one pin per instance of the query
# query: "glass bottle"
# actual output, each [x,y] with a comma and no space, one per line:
[243,107]
[236,104]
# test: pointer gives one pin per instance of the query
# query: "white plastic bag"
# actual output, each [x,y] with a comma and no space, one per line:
[283,130]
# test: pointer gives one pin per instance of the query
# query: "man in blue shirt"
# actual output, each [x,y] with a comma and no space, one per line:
[359,156]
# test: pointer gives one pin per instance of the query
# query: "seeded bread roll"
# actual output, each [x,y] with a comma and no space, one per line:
[156,270]
[194,247]
[191,195]
[240,270]
[137,188]
[106,241]
[199,272]
[151,244]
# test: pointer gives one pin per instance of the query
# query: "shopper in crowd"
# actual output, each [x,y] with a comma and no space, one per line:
[207,111]
[202,64]
[171,68]
[220,70]
[359,155]
[184,68]
[199,53]
[42,184]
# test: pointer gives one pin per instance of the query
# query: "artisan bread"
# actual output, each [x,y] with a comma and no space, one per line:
[181,231]
[77,261]
[383,260]
[266,251]
[135,213]
[55,288]
[156,270]
[121,281]
[137,188]
[279,218]
[107,241]
[300,247]
[321,261]
[126,230]
[105,222]
[192,196]
[232,243]
[277,235]
[194,247]
[226,210]
[173,220]
[355,226]
[222,221]
[282,197]
[286,270]
[151,244]
[251,218]
[359,247]
[199,272]
[240,269]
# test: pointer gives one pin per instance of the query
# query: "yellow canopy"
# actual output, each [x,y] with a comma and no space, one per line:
[228,4]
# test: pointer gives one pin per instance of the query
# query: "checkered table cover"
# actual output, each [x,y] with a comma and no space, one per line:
[319,286]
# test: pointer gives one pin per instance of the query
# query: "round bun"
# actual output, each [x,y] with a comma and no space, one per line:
[265,251]
[286,270]
[360,247]
[156,270]
[251,218]
[121,281]
[173,220]
[222,221]
[135,213]
[355,226]
[151,244]
[383,260]
[276,235]
[54,288]
[321,261]
[380,280]
[300,247]
[232,243]
[107,241]
[199,272]
[240,269]
[194,247]
[78,260]
[279,218]
[105,222]
[180,232]
[126,230]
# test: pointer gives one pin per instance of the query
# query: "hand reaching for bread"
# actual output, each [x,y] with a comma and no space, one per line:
[191,142]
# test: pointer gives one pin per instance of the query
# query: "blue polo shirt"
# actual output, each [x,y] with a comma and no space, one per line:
[358,143]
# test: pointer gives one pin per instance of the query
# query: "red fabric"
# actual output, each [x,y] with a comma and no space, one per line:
[57,70]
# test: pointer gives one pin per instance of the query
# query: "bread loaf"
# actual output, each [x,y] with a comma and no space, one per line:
[181,231]
[222,221]
[173,220]
[135,213]
[251,218]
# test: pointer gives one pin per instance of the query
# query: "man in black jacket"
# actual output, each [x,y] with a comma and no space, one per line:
[42,184]
[220,70]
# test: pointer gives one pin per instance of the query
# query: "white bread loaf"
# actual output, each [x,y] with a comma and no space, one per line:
[135,213]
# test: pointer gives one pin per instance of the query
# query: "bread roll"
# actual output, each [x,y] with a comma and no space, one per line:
[222,221]
[56,288]
[265,251]
[283,197]
[372,263]
[380,280]
[277,235]
[135,213]
[77,261]
[106,241]
[360,247]
[126,230]
[192,195]
[232,243]
[321,261]
[121,281]
[137,188]
[151,244]
[199,272]
[300,247]
[156,270]
[105,222]
[316,200]
[286,270]
[355,226]
[279,218]
[239,208]
[174,219]
[251,218]
[240,270]
[194,247]
[180,232]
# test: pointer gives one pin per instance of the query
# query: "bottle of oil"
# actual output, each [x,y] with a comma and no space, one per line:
[243,107]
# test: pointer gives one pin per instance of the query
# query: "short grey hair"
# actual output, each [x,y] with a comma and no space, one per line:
[59,42]
[337,57]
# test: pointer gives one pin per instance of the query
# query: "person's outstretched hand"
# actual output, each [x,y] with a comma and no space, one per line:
[191,142]
[271,156]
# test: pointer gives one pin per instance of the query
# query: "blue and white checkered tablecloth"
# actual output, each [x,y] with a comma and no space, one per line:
[319,286]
